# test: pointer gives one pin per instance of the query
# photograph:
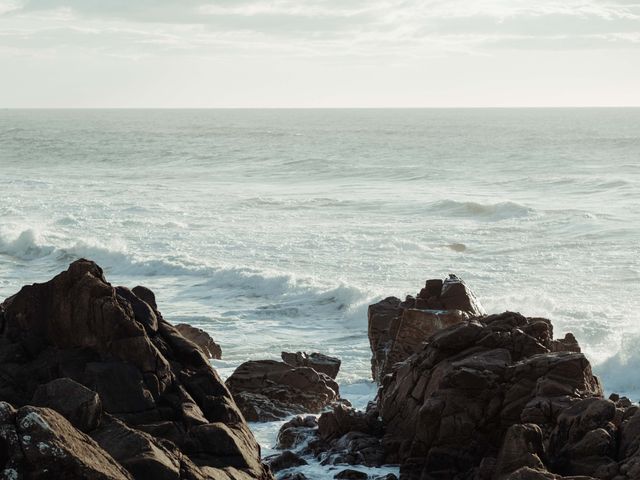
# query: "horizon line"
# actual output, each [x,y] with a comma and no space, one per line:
[476,107]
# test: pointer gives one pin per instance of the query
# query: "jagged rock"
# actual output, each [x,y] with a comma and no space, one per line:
[451,404]
[522,447]
[318,361]
[202,339]
[397,329]
[293,476]
[39,443]
[296,431]
[112,342]
[284,460]
[349,474]
[138,452]
[81,406]
[268,389]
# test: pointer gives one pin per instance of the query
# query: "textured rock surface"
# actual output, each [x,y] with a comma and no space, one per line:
[156,392]
[318,361]
[39,443]
[397,329]
[267,390]
[450,405]
[202,339]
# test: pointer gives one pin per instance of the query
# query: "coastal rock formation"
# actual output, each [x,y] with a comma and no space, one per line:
[267,390]
[450,406]
[128,395]
[318,361]
[341,436]
[398,328]
[202,339]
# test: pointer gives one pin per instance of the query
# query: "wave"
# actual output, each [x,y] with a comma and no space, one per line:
[492,211]
[275,293]
[621,372]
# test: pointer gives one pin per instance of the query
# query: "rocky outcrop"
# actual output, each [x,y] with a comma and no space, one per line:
[141,400]
[318,361]
[202,339]
[268,390]
[341,436]
[449,407]
[397,329]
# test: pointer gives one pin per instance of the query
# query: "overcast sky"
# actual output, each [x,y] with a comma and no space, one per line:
[322,53]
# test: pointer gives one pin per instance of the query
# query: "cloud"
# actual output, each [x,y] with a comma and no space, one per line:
[321,28]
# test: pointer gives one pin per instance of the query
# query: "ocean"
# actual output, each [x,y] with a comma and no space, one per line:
[275,229]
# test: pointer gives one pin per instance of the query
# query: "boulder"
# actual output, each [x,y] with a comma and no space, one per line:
[40,443]
[397,329]
[81,406]
[202,339]
[267,389]
[318,361]
[92,352]
[350,474]
[284,460]
[296,431]
[451,404]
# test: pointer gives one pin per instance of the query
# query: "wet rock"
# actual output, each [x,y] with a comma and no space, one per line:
[268,389]
[202,339]
[349,474]
[296,431]
[398,329]
[318,361]
[293,476]
[284,460]
[77,336]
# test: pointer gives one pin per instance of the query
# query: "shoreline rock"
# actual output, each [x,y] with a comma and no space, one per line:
[267,390]
[148,401]
[202,339]
[398,328]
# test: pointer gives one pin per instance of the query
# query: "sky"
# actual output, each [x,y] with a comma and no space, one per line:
[322,53]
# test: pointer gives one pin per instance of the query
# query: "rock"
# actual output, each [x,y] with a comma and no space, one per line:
[77,336]
[522,447]
[351,475]
[284,460]
[138,452]
[202,339]
[451,404]
[319,362]
[293,476]
[268,389]
[39,443]
[81,406]
[296,431]
[398,329]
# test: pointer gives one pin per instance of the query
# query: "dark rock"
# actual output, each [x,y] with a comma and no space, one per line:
[284,460]
[318,361]
[141,454]
[202,339]
[81,406]
[267,389]
[398,329]
[350,474]
[77,336]
[296,431]
[39,443]
[293,476]
[451,404]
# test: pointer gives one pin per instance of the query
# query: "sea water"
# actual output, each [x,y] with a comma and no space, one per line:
[274,229]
